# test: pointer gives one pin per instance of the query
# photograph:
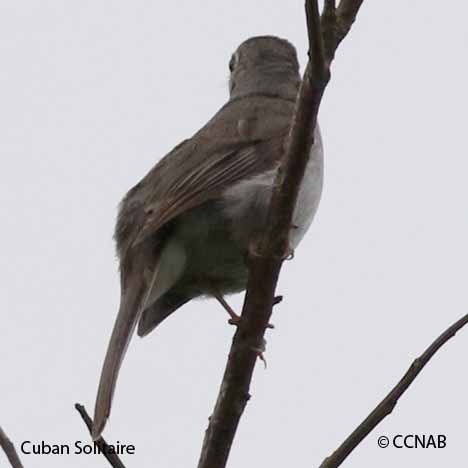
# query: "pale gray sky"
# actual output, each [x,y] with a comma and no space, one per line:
[93,93]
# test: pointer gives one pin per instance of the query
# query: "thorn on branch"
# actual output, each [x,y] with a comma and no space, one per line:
[277,300]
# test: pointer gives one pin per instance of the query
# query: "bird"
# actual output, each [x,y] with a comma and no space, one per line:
[184,231]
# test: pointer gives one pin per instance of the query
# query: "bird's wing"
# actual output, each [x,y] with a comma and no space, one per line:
[228,149]
[244,139]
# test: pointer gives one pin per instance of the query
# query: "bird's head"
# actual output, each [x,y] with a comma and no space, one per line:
[264,65]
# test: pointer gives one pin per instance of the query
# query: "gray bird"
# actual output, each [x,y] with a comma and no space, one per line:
[185,229]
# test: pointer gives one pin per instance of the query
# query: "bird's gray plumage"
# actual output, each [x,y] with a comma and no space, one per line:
[184,230]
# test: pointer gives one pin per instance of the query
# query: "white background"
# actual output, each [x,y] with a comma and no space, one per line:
[93,93]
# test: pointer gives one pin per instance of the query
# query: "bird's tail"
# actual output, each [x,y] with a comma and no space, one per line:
[127,318]
[140,290]
[160,310]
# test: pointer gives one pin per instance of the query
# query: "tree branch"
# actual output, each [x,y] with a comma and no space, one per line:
[386,406]
[336,23]
[265,264]
[329,29]
[346,14]
[112,458]
[10,451]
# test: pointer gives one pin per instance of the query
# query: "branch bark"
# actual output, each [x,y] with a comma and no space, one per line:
[386,406]
[337,22]
[346,14]
[10,451]
[265,264]
[112,458]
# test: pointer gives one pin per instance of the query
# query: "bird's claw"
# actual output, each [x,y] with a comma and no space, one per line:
[235,320]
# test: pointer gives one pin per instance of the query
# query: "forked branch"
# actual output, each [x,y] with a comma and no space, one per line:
[265,265]
[112,458]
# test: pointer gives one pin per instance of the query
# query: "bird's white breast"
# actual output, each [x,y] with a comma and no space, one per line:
[253,195]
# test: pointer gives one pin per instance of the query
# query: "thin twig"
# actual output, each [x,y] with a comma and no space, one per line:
[346,15]
[265,265]
[112,458]
[10,451]
[386,406]
[329,29]
[318,71]
[336,23]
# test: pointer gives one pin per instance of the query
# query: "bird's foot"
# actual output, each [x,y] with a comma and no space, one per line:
[234,319]
[252,251]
